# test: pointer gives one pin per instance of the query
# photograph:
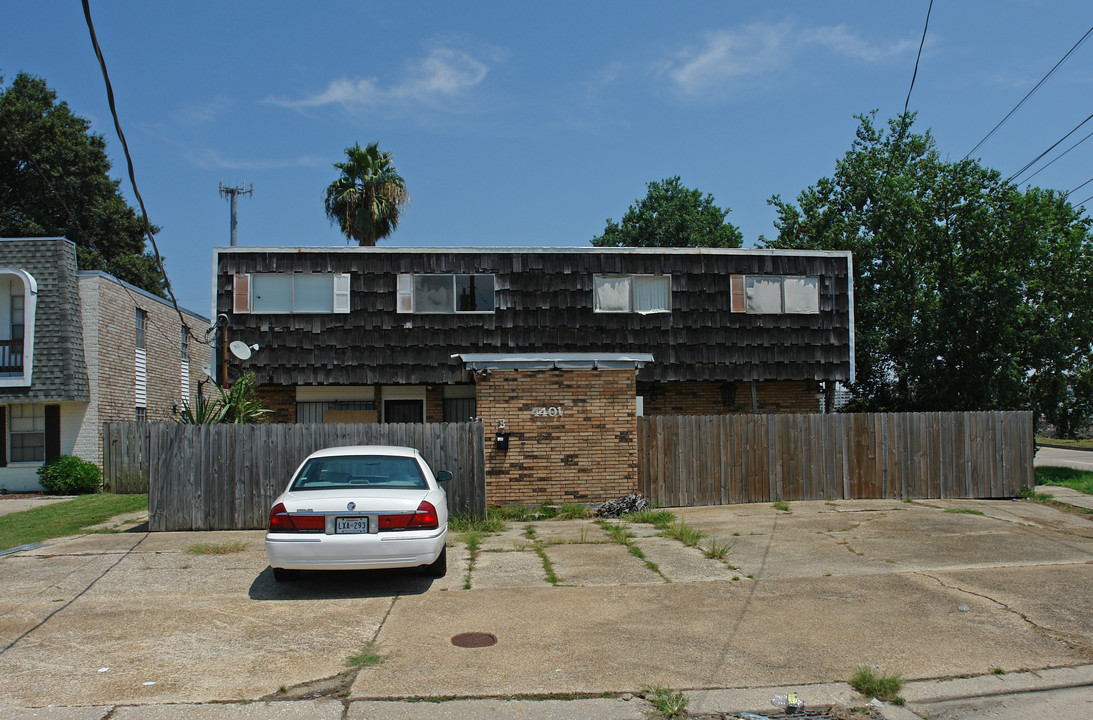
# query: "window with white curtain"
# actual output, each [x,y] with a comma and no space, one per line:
[775,294]
[632,293]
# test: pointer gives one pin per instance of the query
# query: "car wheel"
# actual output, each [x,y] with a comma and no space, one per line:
[439,567]
[285,575]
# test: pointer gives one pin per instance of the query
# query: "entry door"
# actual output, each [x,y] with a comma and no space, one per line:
[404,411]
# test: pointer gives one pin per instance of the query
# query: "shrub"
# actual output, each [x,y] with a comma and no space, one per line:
[69,475]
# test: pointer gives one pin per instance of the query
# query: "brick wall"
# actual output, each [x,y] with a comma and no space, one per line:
[588,453]
[108,311]
[281,399]
[705,398]
[434,404]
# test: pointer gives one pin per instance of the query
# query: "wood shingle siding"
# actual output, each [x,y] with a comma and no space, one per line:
[544,303]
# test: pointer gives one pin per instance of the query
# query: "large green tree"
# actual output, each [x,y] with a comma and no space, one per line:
[54,181]
[671,215]
[365,202]
[969,294]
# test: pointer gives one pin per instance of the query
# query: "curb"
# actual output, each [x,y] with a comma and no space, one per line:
[1064,447]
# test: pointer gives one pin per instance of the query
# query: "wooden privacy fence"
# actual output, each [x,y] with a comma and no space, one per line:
[225,477]
[716,460]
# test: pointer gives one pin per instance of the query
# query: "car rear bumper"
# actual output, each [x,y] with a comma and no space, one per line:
[319,551]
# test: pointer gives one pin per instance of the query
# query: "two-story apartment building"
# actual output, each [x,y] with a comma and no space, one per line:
[557,350]
[78,349]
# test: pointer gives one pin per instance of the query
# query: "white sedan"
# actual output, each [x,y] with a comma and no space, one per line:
[360,508]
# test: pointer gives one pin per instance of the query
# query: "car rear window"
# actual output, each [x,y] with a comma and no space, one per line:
[380,471]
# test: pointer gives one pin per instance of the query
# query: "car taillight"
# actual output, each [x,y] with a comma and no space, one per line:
[424,518]
[281,521]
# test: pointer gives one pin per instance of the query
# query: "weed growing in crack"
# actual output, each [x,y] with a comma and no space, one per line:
[367,657]
[548,568]
[671,704]
[717,551]
[870,683]
[221,548]
[686,535]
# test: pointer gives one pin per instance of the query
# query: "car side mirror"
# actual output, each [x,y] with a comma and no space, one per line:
[443,476]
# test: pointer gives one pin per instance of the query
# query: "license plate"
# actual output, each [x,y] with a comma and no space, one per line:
[351,525]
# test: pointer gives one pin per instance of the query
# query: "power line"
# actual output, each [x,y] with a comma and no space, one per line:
[918,57]
[1083,202]
[1036,159]
[1064,152]
[1030,92]
[129,163]
[1068,192]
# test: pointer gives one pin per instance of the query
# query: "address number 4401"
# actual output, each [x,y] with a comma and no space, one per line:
[547,412]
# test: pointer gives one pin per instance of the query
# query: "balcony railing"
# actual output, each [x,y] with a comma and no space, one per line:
[11,356]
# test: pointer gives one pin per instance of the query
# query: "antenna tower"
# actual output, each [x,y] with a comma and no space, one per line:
[233,193]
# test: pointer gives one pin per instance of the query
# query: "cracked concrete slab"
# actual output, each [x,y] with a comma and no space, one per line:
[835,585]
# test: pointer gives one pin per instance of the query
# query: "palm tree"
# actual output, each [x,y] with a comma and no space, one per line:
[366,200]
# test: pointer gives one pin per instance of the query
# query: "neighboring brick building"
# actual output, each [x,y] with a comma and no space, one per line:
[557,350]
[73,357]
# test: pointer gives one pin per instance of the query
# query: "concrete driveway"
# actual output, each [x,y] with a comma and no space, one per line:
[927,589]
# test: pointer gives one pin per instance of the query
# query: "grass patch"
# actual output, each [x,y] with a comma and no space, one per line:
[717,551]
[1080,480]
[1087,443]
[473,540]
[660,519]
[367,657]
[668,703]
[872,684]
[963,511]
[617,532]
[548,567]
[780,505]
[686,535]
[574,511]
[220,548]
[523,513]
[67,517]
[462,522]
[529,532]
[1049,500]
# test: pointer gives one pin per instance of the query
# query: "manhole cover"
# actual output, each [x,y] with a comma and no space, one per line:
[474,640]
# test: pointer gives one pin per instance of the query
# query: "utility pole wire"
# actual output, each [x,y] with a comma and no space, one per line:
[1068,192]
[129,162]
[918,57]
[1036,159]
[1064,152]
[1030,92]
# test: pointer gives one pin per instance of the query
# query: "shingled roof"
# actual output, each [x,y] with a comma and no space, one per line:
[59,371]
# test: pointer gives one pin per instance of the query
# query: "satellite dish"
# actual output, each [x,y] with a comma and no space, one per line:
[240,349]
[207,369]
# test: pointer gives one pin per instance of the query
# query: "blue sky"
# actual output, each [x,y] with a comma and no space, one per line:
[519,123]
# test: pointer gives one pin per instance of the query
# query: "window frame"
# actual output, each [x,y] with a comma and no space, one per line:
[740,302]
[634,279]
[140,334]
[406,294]
[243,293]
[12,432]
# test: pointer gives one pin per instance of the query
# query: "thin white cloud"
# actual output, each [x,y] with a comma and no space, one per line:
[844,42]
[210,159]
[759,49]
[194,113]
[442,77]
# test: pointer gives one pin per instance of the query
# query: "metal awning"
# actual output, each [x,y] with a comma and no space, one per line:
[553,361]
